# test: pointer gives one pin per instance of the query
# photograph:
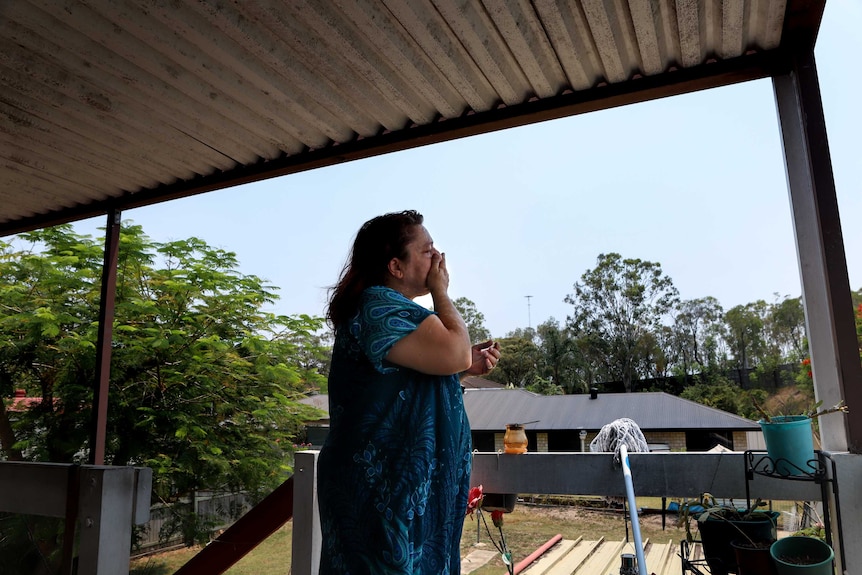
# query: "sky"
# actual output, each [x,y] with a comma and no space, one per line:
[694,182]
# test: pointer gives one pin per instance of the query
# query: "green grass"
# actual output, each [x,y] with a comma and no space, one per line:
[269,558]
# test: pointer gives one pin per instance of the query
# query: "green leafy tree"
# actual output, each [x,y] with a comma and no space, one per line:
[204,384]
[698,328]
[474,319]
[619,303]
[543,386]
[518,362]
[746,336]
[785,327]
[559,359]
[721,395]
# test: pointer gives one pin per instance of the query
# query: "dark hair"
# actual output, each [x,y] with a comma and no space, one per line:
[378,241]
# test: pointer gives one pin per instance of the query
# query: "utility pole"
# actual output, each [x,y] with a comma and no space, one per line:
[529,322]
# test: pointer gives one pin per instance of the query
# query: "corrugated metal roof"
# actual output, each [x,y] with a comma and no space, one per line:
[119,103]
[492,409]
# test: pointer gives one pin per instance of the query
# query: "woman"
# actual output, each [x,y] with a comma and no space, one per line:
[394,472]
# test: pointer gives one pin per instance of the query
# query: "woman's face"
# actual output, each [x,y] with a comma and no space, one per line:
[416,263]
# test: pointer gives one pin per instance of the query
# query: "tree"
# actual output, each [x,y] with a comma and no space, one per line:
[517,365]
[745,333]
[542,386]
[474,319]
[618,303]
[785,325]
[724,395]
[204,383]
[559,360]
[698,322]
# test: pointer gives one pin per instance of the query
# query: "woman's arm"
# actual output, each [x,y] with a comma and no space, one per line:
[441,343]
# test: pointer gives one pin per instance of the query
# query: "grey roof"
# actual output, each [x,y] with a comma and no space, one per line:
[474,382]
[492,409]
[115,104]
[320,401]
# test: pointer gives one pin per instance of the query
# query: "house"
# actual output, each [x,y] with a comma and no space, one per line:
[474,382]
[667,422]
[20,402]
[317,430]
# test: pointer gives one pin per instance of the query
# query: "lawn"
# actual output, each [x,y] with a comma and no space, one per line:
[526,529]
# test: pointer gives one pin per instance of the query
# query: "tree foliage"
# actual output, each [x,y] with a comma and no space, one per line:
[474,319]
[204,382]
[616,306]
[560,362]
[518,360]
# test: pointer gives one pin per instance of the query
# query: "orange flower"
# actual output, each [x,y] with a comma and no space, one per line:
[806,361]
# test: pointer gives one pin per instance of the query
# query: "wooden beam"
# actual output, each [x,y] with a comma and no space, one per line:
[103,345]
[830,325]
[247,533]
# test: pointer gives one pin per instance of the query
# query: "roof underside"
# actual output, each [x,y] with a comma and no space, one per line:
[114,104]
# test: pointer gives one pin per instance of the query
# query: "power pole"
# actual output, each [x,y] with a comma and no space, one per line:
[529,322]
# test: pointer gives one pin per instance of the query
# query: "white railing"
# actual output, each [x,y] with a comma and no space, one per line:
[107,501]
[654,475]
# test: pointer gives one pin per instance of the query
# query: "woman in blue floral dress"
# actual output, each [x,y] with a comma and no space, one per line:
[394,472]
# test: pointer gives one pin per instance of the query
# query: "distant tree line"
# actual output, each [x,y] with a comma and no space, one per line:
[628,326]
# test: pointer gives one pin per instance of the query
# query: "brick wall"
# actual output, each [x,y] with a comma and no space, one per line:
[675,439]
[542,442]
[740,440]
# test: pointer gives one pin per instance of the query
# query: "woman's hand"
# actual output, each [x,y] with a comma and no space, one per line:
[437,280]
[485,358]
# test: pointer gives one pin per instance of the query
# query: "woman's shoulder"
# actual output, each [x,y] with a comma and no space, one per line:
[375,295]
[381,304]
[382,292]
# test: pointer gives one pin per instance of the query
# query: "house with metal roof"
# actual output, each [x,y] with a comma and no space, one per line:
[570,422]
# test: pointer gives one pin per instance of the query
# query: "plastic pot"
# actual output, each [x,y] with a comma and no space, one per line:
[798,555]
[789,443]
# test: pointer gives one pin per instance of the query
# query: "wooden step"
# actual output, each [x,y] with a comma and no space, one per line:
[580,557]
[580,553]
[544,564]
[605,558]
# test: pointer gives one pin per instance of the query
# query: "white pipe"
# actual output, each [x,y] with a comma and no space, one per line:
[633,510]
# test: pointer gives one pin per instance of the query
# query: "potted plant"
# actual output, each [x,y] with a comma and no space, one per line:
[720,524]
[753,557]
[802,555]
[789,438]
[797,554]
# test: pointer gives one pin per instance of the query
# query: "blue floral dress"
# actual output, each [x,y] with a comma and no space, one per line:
[394,472]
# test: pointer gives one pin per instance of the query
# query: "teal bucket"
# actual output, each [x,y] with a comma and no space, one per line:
[790,444]
[802,556]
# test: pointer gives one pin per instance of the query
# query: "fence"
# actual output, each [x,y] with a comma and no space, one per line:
[216,508]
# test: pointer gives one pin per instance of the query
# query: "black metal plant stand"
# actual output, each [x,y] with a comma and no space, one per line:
[757,462]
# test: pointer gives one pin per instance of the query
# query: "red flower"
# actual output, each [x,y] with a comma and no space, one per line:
[474,500]
[806,361]
[497,518]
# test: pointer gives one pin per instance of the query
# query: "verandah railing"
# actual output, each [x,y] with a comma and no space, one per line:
[666,474]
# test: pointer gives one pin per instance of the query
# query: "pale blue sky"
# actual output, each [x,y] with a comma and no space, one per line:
[694,182]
